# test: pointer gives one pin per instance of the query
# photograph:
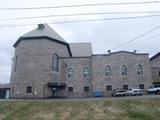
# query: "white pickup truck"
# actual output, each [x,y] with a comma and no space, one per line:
[154,89]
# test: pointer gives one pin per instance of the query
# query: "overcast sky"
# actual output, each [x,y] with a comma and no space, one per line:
[103,35]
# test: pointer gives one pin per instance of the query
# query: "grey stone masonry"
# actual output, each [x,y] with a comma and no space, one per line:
[45,66]
[77,80]
[155,69]
[116,79]
[34,67]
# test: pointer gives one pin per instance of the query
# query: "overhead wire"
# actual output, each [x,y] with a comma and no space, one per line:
[87,20]
[136,38]
[78,14]
[82,5]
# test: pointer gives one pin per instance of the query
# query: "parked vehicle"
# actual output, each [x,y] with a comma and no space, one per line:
[154,89]
[118,93]
[134,92]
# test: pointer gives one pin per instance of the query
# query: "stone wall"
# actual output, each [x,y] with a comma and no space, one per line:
[155,69]
[117,80]
[34,67]
[78,82]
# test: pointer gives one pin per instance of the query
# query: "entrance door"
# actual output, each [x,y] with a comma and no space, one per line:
[2,93]
[54,92]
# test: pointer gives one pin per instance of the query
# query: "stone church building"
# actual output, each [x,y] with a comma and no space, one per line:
[45,65]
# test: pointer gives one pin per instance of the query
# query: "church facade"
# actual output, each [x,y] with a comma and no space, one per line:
[45,65]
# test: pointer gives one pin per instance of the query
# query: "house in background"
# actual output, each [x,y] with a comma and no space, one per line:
[4,91]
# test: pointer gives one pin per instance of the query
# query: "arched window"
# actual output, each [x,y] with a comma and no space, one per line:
[139,69]
[108,70]
[55,62]
[86,72]
[70,73]
[124,70]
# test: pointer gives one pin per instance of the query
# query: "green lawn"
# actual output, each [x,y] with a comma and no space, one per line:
[81,110]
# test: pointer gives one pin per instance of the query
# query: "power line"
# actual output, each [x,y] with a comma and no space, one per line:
[104,19]
[79,14]
[136,38]
[82,5]
[88,20]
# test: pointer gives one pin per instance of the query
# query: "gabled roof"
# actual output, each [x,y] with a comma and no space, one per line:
[81,49]
[155,56]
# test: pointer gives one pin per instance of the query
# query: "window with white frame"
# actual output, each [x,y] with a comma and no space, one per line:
[55,62]
[107,70]
[70,73]
[124,70]
[86,72]
[139,69]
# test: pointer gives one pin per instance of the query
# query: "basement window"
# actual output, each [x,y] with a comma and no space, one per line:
[108,87]
[29,89]
[86,89]
[125,87]
[141,86]
[70,89]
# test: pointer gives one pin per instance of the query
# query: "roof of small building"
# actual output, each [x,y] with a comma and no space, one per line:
[6,86]
[155,56]
[81,49]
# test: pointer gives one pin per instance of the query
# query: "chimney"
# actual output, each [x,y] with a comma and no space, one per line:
[109,51]
[41,26]
[134,51]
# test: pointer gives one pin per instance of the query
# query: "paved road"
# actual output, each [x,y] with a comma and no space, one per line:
[90,99]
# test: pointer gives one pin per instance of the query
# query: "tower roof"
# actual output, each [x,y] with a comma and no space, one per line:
[44,30]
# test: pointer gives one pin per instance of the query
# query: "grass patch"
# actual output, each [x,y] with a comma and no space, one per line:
[81,110]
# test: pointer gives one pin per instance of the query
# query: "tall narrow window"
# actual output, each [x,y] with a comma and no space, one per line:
[108,70]
[86,72]
[70,73]
[15,63]
[55,63]
[139,70]
[124,70]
